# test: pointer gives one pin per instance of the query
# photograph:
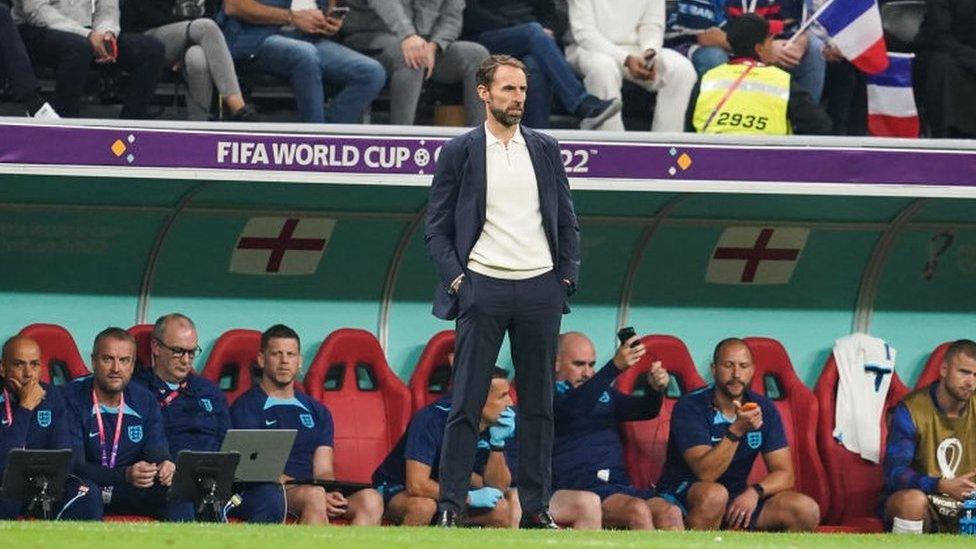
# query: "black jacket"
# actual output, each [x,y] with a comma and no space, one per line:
[142,15]
[487,15]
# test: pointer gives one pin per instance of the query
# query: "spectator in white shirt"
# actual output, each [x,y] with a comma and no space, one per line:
[623,39]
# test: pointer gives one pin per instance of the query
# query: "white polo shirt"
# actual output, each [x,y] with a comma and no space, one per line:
[513,243]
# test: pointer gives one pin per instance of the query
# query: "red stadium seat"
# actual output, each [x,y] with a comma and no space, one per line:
[143,335]
[232,363]
[646,442]
[855,483]
[370,405]
[777,380]
[930,374]
[431,378]
[432,375]
[60,360]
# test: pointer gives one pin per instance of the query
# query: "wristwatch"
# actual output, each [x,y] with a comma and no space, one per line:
[732,436]
[759,490]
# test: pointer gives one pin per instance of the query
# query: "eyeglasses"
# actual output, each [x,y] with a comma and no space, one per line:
[179,352]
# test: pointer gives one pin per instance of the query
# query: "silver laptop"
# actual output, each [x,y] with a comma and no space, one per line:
[264,452]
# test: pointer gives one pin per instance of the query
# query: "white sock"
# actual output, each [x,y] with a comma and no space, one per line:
[902,526]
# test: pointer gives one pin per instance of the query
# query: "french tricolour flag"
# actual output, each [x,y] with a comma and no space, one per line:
[891,103]
[855,28]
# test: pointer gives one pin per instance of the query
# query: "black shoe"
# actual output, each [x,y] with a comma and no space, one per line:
[445,518]
[244,114]
[539,521]
[594,111]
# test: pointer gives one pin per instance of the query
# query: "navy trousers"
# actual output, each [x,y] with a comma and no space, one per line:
[529,311]
[262,503]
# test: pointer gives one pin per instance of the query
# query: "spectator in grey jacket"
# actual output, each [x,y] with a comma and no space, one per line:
[68,35]
[194,44]
[416,40]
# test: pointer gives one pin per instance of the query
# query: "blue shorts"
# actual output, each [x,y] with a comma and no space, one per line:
[389,491]
[607,489]
[679,497]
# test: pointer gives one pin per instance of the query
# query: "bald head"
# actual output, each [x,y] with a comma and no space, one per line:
[174,346]
[575,358]
[21,359]
[572,340]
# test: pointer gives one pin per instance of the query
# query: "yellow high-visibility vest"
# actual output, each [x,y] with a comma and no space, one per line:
[757,106]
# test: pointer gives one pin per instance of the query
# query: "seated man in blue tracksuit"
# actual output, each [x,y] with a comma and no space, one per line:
[34,417]
[587,452]
[194,410]
[276,404]
[717,432]
[408,477]
[118,438]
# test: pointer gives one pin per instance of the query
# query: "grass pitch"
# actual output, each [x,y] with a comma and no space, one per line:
[51,535]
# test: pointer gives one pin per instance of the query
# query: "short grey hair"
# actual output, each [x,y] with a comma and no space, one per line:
[159,329]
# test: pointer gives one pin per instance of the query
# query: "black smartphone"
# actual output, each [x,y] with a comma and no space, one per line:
[649,59]
[338,12]
[626,333]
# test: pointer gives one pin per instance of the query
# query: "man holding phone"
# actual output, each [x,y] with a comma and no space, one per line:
[296,40]
[68,35]
[588,453]
[624,39]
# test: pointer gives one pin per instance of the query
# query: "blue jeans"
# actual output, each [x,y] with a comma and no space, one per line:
[809,74]
[308,64]
[707,58]
[548,70]
[812,70]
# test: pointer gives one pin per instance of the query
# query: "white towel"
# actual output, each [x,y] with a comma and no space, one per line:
[865,365]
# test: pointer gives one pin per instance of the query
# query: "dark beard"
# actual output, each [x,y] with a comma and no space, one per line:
[725,391]
[505,119]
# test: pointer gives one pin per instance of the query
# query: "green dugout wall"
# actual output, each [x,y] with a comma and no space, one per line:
[86,243]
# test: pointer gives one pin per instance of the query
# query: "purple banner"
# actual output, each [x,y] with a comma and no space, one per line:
[154,148]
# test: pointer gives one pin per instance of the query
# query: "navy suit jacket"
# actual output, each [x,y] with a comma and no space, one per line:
[456,210]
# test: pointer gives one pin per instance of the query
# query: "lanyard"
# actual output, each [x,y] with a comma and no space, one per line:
[6,402]
[168,399]
[728,93]
[106,461]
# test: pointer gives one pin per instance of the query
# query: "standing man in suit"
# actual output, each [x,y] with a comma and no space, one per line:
[505,240]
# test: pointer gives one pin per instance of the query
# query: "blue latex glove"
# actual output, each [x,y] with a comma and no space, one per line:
[484,498]
[503,429]
[483,444]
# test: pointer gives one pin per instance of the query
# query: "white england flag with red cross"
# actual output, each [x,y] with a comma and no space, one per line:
[756,255]
[276,246]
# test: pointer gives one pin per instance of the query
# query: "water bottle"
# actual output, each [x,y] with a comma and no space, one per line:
[967,517]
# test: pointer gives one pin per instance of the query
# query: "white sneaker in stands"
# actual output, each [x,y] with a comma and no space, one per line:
[46,111]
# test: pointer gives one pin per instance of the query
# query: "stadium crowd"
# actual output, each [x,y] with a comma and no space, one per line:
[338,57]
[126,424]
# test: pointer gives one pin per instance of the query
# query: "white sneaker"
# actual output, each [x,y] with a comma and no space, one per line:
[46,111]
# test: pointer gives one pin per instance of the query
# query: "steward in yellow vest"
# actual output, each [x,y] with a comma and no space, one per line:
[746,96]
[930,457]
